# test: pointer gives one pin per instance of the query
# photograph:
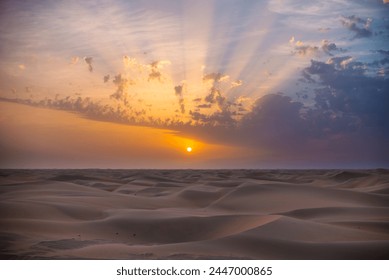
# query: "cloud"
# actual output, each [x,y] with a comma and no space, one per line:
[274,123]
[360,27]
[159,64]
[348,114]
[122,85]
[179,92]
[349,99]
[204,106]
[343,62]
[155,68]
[215,77]
[381,62]
[304,49]
[88,60]
[328,47]
[117,112]
[22,67]
[106,78]
[217,119]
[155,75]
[274,117]
[236,83]
[383,52]
[212,96]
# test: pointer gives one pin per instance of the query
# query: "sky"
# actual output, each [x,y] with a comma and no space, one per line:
[245,84]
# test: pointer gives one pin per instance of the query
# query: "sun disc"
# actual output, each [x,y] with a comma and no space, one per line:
[189,149]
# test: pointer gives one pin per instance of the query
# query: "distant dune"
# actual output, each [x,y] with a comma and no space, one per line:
[194,214]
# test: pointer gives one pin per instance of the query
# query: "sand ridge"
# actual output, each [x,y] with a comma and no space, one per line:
[194,214]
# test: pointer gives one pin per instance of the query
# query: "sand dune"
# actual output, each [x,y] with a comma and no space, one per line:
[194,214]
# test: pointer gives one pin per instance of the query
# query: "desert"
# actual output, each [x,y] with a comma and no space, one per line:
[194,214]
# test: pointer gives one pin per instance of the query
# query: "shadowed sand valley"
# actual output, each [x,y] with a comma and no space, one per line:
[194,214]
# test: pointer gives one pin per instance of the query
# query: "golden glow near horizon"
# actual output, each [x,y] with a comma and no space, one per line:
[51,138]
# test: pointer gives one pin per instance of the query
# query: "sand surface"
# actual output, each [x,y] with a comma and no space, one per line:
[194,214]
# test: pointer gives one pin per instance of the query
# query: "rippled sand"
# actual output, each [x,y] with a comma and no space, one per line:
[194,214]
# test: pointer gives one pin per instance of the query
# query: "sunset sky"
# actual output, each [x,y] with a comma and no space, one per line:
[245,84]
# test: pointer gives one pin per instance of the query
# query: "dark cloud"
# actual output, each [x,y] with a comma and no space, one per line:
[328,47]
[213,96]
[348,120]
[349,99]
[121,84]
[204,106]
[88,60]
[381,62]
[360,27]
[106,78]
[178,90]
[155,72]
[274,118]
[216,97]
[118,80]
[118,112]
[217,119]
[383,52]
[154,75]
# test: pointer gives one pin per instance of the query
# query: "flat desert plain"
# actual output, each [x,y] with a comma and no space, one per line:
[194,214]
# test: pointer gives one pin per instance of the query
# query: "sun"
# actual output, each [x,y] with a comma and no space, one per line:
[189,149]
